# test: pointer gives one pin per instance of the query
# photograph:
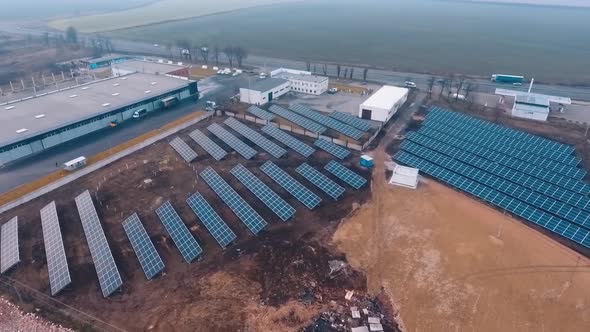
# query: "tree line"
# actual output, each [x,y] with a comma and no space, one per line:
[234,55]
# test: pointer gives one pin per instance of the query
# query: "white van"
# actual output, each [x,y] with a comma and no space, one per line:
[140,113]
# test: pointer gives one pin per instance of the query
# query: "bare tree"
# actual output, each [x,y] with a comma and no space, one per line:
[365,73]
[308,65]
[169,48]
[443,83]
[345,73]
[460,84]
[240,54]
[431,81]
[351,72]
[229,54]
[338,69]
[325,69]
[216,52]
[314,68]
[205,53]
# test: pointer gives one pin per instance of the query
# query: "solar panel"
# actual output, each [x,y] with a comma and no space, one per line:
[354,180]
[232,141]
[320,180]
[208,145]
[352,120]
[236,203]
[9,245]
[288,140]
[257,138]
[104,263]
[274,202]
[260,113]
[294,187]
[333,149]
[184,240]
[212,221]
[297,119]
[57,263]
[183,149]
[146,253]
[329,122]
[512,205]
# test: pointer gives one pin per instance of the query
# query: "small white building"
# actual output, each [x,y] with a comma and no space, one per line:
[532,106]
[383,104]
[404,176]
[264,91]
[303,81]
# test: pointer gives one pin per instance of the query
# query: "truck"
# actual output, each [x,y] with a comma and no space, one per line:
[501,78]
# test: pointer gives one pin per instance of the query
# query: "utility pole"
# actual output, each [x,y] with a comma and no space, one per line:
[34,88]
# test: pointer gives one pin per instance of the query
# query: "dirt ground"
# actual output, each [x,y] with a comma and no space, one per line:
[277,281]
[453,263]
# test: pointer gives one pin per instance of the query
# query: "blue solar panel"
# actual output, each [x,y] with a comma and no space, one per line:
[274,202]
[182,237]
[288,140]
[208,145]
[146,253]
[260,113]
[257,138]
[320,180]
[352,120]
[354,180]
[236,203]
[57,263]
[329,122]
[183,149]
[294,187]
[333,149]
[212,221]
[9,245]
[232,141]
[297,119]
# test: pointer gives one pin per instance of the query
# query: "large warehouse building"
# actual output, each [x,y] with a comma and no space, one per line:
[34,124]
[383,104]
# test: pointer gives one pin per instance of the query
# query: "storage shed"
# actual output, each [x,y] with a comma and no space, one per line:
[383,104]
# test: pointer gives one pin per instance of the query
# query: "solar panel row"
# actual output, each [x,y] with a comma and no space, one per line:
[329,122]
[297,119]
[294,187]
[509,161]
[9,253]
[146,253]
[212,221]
[260,113]
[333,149]
[182,237]
[208,145]
[540,201]
[354,180]
[521,209]
[290,141]
[257,138]
[351,120]
[104,263]
[183,149]
[320,180]
[507,173]
[274,202]
[232,141]
[57,264]
[517,139]
[236,203]
[532,158]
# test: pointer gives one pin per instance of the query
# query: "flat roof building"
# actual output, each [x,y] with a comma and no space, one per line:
[532,106]
[264,91]
[383,104]
[303,81]
[149,67]
[34,124]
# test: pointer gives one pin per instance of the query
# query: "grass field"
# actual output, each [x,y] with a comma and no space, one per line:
[157,12]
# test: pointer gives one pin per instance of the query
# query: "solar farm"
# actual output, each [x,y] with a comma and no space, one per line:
[177,210]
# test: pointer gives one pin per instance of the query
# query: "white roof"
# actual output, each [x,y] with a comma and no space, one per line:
[386,97]
[75,161]
[404,176]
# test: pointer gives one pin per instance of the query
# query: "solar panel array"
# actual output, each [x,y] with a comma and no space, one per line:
[146,253]
[236,203]
[260,113]
[546,148]
[232,141]
[512,205]
[183,149]
[320,180]
[333,149]
[104,263]
[182,237]
[329,122]
[352,120]
[208,145]
[57,263]
[257,138]
[294,187]
[297,119]
[9,254]
[354,180]
[290,141]
[212,221]
[274,202]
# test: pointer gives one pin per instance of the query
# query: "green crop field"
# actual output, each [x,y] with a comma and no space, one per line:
[157,12]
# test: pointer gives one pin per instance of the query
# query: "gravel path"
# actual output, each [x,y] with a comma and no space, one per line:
[14,320]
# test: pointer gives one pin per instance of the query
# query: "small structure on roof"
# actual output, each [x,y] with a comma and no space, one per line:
[404,176]
[383,104]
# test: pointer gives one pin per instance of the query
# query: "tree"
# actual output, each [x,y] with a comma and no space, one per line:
[460,84]
[72,35]
[345,73]
[216,52]
[431,81]
[338,69]
[184,46]
[314,68]
[169,48]
[443,82]
[45,38]
[229,54]
[365,73]
[204,53]
[240,54]
[308,65]
[325,69]
[351,72]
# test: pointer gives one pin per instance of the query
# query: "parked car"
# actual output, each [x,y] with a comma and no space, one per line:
[332,90]
[517,84]
[156,45]
[409,84]
[455,96]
